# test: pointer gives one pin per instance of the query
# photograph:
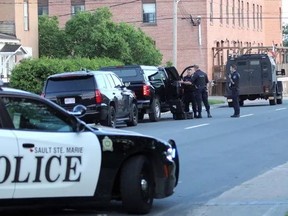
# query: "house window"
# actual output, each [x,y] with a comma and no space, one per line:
[26,15]
[43,7]
[77,6]
[149,11]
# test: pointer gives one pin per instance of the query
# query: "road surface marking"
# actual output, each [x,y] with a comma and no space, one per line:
[281,109]
[196,126]
[243,116]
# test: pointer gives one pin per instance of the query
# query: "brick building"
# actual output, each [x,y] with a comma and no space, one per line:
[18,33]
[207,30]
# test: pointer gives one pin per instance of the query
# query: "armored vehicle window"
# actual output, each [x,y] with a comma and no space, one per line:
[254,62]
[241,63]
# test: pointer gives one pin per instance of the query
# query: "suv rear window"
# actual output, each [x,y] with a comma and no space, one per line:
[71,83]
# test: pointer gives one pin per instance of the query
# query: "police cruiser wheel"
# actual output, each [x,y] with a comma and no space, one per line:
[137,185]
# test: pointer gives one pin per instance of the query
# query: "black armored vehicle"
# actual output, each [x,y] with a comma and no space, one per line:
[258,78]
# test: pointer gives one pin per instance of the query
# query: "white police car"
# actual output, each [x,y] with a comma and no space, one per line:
[48,156]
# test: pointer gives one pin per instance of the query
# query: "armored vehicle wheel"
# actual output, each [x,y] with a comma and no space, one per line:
[137,185]
[273,101]
[280,100]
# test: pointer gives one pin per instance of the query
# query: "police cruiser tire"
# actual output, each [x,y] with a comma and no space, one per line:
[155,112]
[133,119]
[137,185]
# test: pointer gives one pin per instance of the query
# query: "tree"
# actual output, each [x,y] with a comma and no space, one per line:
[51,39]
[96,35]
[285,35]
[142,48]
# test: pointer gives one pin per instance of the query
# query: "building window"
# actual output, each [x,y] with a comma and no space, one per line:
[239,14]
[227,12]
[221,11]
[261,18]
[149,11]
[242,13]
[254,24]
[280,18]
[248,21]
[258,17]
[211,11]
[77,6]
[233,13]
[26,15]
[43,7]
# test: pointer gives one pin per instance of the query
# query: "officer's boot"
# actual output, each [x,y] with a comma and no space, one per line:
[199,115]
[208,114]
[195,114]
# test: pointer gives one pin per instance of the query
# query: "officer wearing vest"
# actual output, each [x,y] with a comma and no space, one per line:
[200,80]
[189,93]
[234,77]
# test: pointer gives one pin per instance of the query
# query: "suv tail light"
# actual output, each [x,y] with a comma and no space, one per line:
[146,90]
[98,97]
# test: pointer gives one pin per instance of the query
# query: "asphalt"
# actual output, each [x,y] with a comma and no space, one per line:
[264,195]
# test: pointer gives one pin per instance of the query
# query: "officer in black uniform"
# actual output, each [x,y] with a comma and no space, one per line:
[234,77]
[200,80]
[189,93]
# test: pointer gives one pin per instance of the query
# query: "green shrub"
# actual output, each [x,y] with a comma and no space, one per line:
[31,74]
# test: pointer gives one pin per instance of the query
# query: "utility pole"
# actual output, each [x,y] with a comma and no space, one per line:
[175,7]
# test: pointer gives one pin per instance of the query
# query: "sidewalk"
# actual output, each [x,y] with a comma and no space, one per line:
[265,195]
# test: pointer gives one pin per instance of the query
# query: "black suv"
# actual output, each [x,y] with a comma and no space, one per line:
[157,88]
[107,99]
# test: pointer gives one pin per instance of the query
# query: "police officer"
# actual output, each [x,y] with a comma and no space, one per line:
[200,80]
[189,93]
[234,77]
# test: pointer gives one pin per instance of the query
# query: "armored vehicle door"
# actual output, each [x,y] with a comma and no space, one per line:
[251,76]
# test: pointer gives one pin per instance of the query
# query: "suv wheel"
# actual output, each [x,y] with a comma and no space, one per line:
[110,120]
[133,117]
[155,111]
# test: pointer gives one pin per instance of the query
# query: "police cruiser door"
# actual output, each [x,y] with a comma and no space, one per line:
[53,159]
